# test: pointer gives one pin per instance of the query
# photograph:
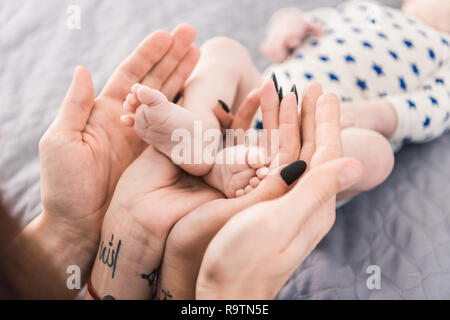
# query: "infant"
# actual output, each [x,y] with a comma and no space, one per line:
[390,70]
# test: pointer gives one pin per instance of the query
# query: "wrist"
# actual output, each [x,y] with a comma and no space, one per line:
[127,259]
[39,257]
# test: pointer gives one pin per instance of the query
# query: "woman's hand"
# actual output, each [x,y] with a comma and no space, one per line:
[86,149]
[190,237]
[257,251]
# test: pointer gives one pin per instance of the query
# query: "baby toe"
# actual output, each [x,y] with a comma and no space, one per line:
[256,158]
[132,100]
[254,182]
[248,189]
[261,173]
[135,88]
[240,193]
[127,120]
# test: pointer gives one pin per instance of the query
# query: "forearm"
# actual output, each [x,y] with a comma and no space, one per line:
[186,244]
[38,258]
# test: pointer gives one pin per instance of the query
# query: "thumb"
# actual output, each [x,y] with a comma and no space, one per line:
[315,29]
[78,102]
[319,186]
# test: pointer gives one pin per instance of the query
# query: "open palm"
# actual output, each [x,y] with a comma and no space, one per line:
[86,149]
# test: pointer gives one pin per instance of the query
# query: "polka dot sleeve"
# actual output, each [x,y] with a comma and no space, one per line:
[423,114]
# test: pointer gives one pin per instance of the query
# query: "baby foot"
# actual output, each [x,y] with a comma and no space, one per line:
[376,115]
[155,119]
[237,170]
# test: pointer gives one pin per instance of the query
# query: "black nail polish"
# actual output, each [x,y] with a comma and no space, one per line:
[293,171]
[275,81]
[177,97]
[294,90]
[224,106]
[291,51]
[280,94]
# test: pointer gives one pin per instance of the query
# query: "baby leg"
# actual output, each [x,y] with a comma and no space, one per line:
[374,152]
[225,71]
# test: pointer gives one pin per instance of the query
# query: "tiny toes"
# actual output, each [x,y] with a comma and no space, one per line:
[248,189]
[261,173]
[132,100]
[150,97]
[240,193]
[135,87]
[256,158]
[254,182]
[127,120]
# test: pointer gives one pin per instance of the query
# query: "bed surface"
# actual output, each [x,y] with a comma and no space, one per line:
[403,226]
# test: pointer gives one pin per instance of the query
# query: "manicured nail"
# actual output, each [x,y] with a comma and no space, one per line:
[348,176]
[275,82]
[177,98]
[280,94]
[293,171]
[224,106]
[291,51]
[294,90]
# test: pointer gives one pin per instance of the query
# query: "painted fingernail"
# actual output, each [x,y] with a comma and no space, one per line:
[291,50]
[293,171]
[177,97]
[275,81]
[294,90]
[224,106]
[348,176]
[280,94]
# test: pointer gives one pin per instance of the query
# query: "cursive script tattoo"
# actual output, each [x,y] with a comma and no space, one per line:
[110,259]
[152,277]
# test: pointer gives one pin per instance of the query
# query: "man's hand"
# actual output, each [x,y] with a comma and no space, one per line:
[85,151]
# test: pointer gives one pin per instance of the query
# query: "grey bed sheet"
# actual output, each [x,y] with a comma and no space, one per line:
[403,226]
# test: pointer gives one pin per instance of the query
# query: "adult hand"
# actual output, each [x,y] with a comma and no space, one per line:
[190,237]
[150,197]
[257,251]
[86,149]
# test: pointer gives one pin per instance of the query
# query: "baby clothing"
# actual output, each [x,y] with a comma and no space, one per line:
[369,51]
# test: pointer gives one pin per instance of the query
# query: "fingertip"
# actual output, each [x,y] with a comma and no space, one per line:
[293,171]
[314,87]
[327,98]
[188,30]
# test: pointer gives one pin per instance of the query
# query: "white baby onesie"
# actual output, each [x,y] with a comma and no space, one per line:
[370,51]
